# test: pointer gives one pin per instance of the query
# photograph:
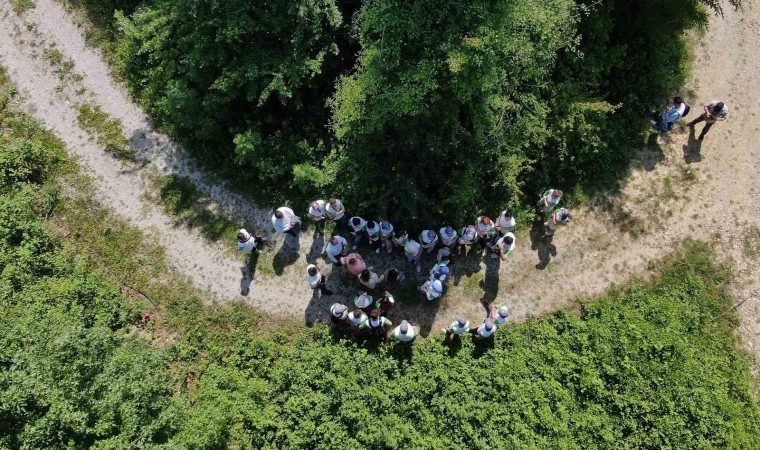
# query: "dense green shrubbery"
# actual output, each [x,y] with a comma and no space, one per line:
[653,366]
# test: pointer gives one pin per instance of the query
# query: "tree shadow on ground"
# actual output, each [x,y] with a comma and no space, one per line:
[692,150]
[542,244]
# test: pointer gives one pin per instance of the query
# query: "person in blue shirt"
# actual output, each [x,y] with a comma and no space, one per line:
[668,118]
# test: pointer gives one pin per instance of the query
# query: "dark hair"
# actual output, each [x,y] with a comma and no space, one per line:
[508,213]
[399,232]
[392,275]
[352,261]
[312,271]
[364,275]
[241,237]
[508,240]
[358,312]
[375,314]
[371,224]
[332,199]
[356,220]
[334,236]
[677,99]
[719,107]
[278,214]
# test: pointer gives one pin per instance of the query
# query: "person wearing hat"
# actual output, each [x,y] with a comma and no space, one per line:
[386,235]
[404,332]
[335,211]
[358,230]
[444,255]
[400,237]
[714,111]
[505,223]
[499,314]
[285,220]
[246,241]
[467,236]
[549,200]
[336,248]
[370,279]
[504,247]
[561,217]
[413,253]
[354,264]
[376,324]
[316,279]
[459,326]
[432,289]
[318,215]
[485,228]
[440,271]
[428,240]
[363,300]
[386,303]
[373,233]
[485,330]
[357,317]
[338,314]
[448,236]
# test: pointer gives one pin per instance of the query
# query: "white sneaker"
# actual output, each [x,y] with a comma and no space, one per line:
[377,251]
[419,269]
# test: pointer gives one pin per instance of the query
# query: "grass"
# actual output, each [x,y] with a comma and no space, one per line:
[22,6]
[108,132]
[751,242]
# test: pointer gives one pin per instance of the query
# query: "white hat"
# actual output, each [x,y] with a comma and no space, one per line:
[412,247]
[502,311]
[436,286]
[404,327]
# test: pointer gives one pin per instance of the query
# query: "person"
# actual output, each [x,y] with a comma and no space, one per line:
[373,233]
[443,256]
[428,240]
[363,300]
[337,213]
[285,220]
[358,230]
[338,314]
[561,217]
[549,200]
[376,324]
[386,303]
[404,332]
[316,279]
[448,236]
[485,228]
[354,264]
[668,118]
[499,314]
[413,253]
[440,271]
[459,326]
[246,241]
[370,279]
[318,215]
[504,247]
[386,235]
[432,289]
[467,236]
[714,111]
[400,237]
[485,330]
[336,248]
[357,317]
[505,223]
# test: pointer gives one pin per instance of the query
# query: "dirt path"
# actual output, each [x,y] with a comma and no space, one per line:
[668,198]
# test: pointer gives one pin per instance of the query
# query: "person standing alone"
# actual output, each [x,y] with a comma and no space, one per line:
[714,111]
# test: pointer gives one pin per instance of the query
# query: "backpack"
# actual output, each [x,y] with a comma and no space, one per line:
[686,110]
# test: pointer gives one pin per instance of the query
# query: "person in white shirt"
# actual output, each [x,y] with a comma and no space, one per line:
[316,279]
[373,234]
[432,289]
[246,241]
[404,332]
[400,238]
[485,229]
[504,247]
[499,314]
[285,220]
[467,236]
[338,314]
[561,217]
[506,222]
[336,248]
[335,211]
[549,200]
[459,326]
[370,278]
[448,236]
[318,215]
[357,317]
[485,330]
[413,253]
[358,230]
[428,240]
[386,235]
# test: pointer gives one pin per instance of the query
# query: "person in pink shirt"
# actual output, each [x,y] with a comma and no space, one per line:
[354,263]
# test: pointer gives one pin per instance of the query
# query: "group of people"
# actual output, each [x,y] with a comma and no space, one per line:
[713,112]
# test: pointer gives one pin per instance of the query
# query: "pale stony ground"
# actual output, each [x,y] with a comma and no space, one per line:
[709,194]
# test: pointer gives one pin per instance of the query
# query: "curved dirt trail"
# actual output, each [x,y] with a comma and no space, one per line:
[669,196]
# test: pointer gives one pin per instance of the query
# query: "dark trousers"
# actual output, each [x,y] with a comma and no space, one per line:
[322,286]
[358,237]
[707,127]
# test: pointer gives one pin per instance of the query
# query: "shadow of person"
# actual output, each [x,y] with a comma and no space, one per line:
[248,271]
[692,150]
[482,345]
[465,264]
[652,153]
[542,243]
[317,246]
[490,283]
[286,255]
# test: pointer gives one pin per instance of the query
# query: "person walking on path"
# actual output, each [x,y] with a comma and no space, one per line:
[316,279]
[338,314]
[504,247]
[485,228]
[285,220]
[458,327]
[357,317]
[386,235]
[428,240]
[432,289]
[404,332]
[373,234]
[400,238]
[413,253]
[337,213]
[354,264]
[549,200]
[336,248]
[714,111]
[376,324]
[505,223]
[448,236]
[246,241]
[485,330]
[318,215]
[370,279]
[467,236]
[499,314]
[358,230]
[561,217]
